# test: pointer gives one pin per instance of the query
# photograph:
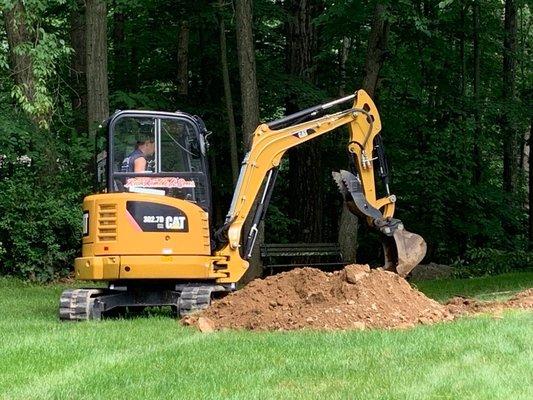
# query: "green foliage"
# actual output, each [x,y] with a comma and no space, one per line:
[47,50]
[46,53]
[425,98]
[487,261]
[42,181]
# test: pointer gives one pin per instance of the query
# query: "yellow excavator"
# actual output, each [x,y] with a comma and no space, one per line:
[149,235]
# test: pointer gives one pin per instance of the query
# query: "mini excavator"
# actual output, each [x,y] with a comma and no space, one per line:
[149,235]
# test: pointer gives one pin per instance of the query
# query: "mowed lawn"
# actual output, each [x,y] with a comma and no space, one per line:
[481,357]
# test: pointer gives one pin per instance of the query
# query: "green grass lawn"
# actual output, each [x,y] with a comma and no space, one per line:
[498,287]
[476,358]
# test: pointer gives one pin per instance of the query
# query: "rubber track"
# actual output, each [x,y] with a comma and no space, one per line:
[194,298]
[76,304]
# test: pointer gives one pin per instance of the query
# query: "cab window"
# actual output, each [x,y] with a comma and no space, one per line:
[172,154]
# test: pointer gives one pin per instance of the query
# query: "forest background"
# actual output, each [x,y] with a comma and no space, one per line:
[452,81]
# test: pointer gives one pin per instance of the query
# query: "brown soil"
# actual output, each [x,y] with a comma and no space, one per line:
[307,298]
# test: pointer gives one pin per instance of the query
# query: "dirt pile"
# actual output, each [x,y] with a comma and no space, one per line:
[354,298]
[461,305]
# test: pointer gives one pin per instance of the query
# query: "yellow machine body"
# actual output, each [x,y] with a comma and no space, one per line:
[115,247]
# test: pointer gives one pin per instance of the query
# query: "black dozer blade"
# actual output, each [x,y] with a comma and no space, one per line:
[403,250]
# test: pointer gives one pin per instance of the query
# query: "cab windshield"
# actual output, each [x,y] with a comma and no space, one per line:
[158,154]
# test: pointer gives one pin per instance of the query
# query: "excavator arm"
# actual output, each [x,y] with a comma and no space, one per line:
[272,140]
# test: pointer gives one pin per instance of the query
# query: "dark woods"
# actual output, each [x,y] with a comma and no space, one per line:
[452,80]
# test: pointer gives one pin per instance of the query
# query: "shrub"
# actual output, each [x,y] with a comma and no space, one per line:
[41,185]
[487,261]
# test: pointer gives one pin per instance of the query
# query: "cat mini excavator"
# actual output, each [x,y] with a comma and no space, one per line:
[148,234]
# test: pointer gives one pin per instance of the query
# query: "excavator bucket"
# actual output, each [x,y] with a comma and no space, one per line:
[403,250]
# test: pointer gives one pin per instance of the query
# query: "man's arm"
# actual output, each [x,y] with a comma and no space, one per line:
[139,164]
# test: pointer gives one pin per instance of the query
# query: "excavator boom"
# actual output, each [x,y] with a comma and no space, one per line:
[403,250]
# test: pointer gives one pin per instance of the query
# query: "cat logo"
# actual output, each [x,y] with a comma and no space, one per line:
[177,223]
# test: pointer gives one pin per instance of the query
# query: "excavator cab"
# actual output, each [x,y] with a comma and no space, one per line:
[176,164]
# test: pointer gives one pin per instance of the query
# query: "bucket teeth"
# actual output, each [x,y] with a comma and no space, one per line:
[338,180]
[352,191]
[351,181]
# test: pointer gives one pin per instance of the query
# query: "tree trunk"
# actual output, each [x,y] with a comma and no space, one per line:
[376,49]
[348,222]
[476,154]
[183,59]
[228,99]
[97,89]
[19,34]
[346,42]
[530,184]
[121,65]
[250,107]
[462,48]
[510,142]
[305,161]
[377,42]
[78,67]
[246,57]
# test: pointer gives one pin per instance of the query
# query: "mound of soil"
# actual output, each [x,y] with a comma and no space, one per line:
[462,305]
[354,298]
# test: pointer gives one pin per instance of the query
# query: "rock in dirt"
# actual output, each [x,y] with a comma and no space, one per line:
[307,298]
[354,273]
[205,325]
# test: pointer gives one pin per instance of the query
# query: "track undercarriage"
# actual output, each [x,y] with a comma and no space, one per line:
[184,299]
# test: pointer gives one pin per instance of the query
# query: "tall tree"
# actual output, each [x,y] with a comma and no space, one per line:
[376,48]
[121,65]
[509,131]
[462,45]
[305,172]
[530,184]
[183,58]
[96,45]
[343,58]
[78,66]
[348,222]
[247,70]
[375,56]
[18,35]
[228,98]
[249,101]
[476,153]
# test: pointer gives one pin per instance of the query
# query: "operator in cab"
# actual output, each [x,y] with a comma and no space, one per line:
[137,160]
